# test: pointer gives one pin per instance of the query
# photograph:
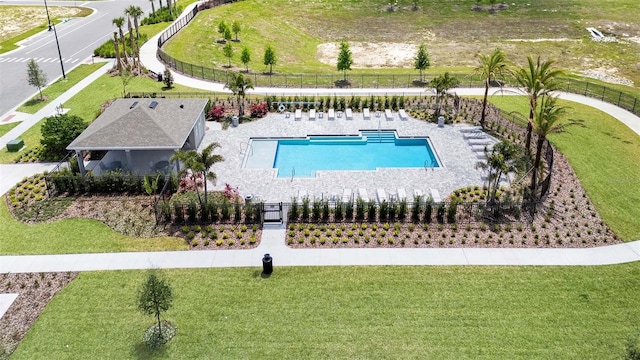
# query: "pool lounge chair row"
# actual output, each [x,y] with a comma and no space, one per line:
[348,114]
[380,195]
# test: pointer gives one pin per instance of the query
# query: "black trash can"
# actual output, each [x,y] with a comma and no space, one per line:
[267,264]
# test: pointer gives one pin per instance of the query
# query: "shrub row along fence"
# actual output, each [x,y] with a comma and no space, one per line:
[65,182]
[619,98]
[319,211]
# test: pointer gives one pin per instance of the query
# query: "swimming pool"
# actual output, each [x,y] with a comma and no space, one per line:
[371,150]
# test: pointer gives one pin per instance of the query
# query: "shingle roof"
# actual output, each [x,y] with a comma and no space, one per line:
[124,126]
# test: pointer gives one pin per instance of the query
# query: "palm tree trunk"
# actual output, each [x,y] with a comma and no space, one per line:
[536,165]
[205,189]
[484,102]
[117,48]
[527,146]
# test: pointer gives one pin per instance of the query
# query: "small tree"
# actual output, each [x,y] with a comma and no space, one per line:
[422,61]
[270,57]
[245,57]
[36,76]
[154,297]
[345,59]
[442,84]
[239,85]
[222,28]
[125,77]
[168,78]
[227,34]
[236,28]
[58,132]
[227,50]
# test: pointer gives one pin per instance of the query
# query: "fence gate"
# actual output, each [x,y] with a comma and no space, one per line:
[272,213]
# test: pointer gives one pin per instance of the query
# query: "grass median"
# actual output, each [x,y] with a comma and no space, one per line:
[351,312]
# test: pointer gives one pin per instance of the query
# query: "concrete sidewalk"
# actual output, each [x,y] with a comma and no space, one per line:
[273,243]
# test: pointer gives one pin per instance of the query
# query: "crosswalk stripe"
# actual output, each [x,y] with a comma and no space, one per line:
[74,61]
[11,59]
[4,59]
[25,60]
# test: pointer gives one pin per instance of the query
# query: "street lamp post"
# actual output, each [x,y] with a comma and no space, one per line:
[55,33]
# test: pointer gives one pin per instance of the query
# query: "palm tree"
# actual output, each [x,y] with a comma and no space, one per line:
[537,80]
[128,12]
[505,157]
[117,49]
[239,85]
[135,12]
[546,120]
[119,22]
[442,84]
[153,7]
[490,66]
[199,163]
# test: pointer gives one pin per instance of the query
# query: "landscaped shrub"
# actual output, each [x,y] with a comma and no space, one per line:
[305,209]
[162,15]
[192,212]
[316,210]
[237,211]
[349,210]
[259,110]
[402,211]
[371,209]
[216,113]
[440,213]
[325,211]
[451,212]
[384,211]
[338,212]
[226,211]
[428,210]
[293,210]
[360,209]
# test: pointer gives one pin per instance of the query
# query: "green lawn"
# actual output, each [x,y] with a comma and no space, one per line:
[72,236]
[56,89]
[5,128]
[604,153]
[350,313]
[452,31]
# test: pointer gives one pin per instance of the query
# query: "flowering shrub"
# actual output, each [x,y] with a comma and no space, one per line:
[231,193]
[191,182]
[216,113]
[259,110]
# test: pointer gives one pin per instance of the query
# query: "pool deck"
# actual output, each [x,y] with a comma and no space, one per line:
[456,157]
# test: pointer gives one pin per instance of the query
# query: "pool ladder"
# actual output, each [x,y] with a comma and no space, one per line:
[244,147]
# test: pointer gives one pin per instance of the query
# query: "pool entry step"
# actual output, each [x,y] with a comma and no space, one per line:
[379,136]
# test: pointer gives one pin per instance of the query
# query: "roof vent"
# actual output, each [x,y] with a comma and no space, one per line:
[133,105]
[153,104]
[181,106]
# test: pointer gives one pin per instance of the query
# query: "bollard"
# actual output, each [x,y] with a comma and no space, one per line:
[267,264]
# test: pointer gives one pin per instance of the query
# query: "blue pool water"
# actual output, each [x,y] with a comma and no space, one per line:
[372,150]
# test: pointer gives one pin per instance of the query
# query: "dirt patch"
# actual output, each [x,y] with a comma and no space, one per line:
[16,20]
[371,55]
[34,290]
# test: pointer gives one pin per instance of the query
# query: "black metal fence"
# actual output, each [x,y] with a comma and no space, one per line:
[586,88]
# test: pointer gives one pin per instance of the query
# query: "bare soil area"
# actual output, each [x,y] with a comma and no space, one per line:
[16,20]
[371,55]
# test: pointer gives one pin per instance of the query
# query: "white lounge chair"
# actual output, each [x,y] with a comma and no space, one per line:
[312,114]
[346,195]
[402,195]
[403,115]
[435,195]
[366,114]
[388,115]
[381,195]
[298,115]
[349,114]
[331,115]
[362,194]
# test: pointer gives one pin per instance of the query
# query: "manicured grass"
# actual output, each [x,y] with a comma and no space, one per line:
[351,312]
[452,32]
[59,87]
[72,236]
[31,139]
[604,154]
[5,128]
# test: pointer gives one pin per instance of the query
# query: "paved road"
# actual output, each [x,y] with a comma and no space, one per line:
[78,37]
